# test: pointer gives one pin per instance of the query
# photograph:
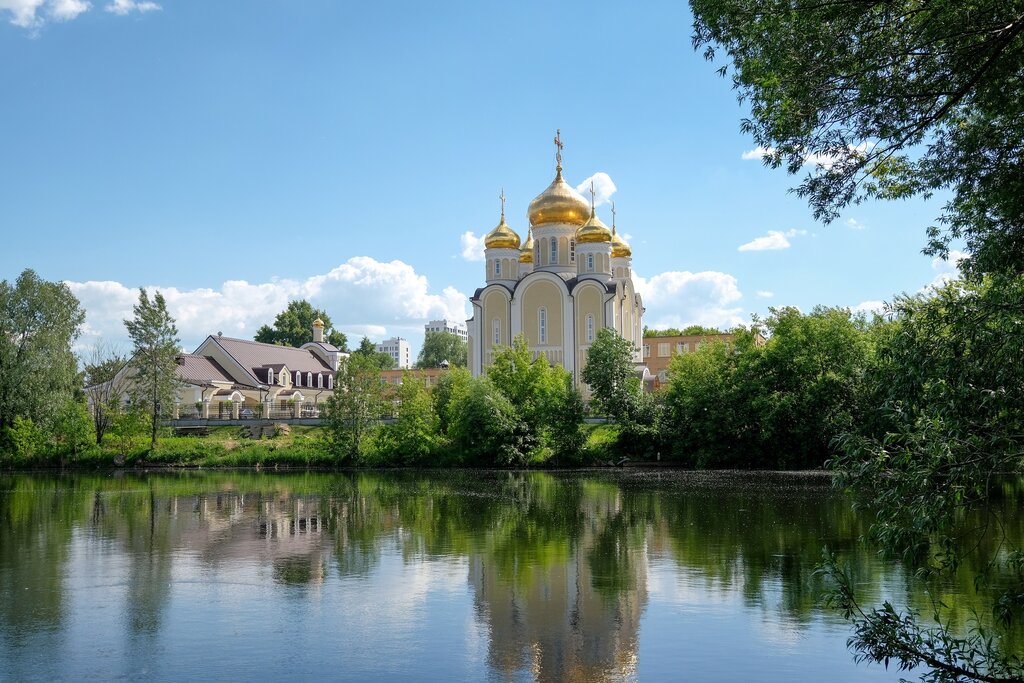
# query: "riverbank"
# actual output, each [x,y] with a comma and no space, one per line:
[280,446]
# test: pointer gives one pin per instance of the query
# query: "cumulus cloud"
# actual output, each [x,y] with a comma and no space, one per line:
[854,224]
[123,7]
[765,294]
[869,307]
[773,241]
[681,298]
[32,14]
[363,297]
[472,246]
[822,160]
[604,188]
[946,269]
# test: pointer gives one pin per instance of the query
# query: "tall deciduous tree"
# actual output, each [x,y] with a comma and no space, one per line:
[39,321]
[611,374]
[888,100]
[442,346]
[368,351]
[355,407]
[154,362]
[106,382]
[294,327]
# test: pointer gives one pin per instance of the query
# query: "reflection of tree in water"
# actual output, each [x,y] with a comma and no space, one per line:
[557,563]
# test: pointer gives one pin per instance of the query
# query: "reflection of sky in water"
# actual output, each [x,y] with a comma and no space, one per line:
[527,578]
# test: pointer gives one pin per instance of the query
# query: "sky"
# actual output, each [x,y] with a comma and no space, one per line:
[237,155]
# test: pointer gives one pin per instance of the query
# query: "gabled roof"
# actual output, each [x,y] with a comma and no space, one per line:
[194,369]
[252,354]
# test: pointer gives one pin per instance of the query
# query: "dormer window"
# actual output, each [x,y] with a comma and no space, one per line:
[270,375]
[330,381]
[298,379]
[309,379]
[319,381]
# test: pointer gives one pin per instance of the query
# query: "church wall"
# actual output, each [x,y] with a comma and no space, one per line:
[495,305]
[549,296]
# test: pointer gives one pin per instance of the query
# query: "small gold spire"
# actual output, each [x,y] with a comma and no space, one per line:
[502,198]
[613,217]
[592,195]
[558,150]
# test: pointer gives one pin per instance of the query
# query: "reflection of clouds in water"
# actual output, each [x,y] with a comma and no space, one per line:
[682,586]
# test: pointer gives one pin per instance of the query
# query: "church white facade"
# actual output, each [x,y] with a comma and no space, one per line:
[568,279]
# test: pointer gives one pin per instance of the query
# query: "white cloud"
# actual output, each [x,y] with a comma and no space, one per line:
[871,306]
[765,294]
[604,188]
[123,7]
[946,269]
[32,14]
[773,241]
[362,296]
[854,224]
[822,160]
[681,298]
[472,246]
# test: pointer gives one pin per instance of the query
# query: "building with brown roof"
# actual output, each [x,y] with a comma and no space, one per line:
[659,350]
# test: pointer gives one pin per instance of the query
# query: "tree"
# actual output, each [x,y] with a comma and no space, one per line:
[611,373]
[692,330]
[355,406]
[294,327]
[486,429]
[442,346]
[106,382]
[368,350]
[39,321]
[154,363]
[414,437]
[888,100]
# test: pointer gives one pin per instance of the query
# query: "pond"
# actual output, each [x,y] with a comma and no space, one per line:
[412,576]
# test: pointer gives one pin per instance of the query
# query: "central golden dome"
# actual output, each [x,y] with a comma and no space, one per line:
[593,231]
[559,204]
[502,237]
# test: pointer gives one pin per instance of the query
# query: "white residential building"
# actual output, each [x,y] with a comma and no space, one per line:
[455,327]
[399,350]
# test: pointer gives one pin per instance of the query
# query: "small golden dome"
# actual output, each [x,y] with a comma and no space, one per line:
[619,247]
[526,253]
[559,203]
[502,237]
[593,231]
[318,322]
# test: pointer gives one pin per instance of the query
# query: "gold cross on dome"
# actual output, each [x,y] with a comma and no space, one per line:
[592,193]
[613,217]
[502,198]
[558,147]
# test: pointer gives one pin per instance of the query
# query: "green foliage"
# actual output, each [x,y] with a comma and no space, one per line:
[105,384]
[442,346]
[23,442]
[128,434]
[611,374]
[692,330]
[73,429]
[39,321]
[368,351]
[485,428]
[448,395]
[294,327]
[565,432]
[414,438]
[775,406]
[154,363]
[353,410]
[902,98]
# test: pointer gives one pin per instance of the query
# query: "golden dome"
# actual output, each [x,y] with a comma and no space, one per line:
[559,204]
[318,322]
[594,231]
[502,237]
[619,247]
[526,253]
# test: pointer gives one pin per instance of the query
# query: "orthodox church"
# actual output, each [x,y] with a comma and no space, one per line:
[568,279]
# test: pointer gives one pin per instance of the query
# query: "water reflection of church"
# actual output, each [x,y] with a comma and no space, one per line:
[556,621]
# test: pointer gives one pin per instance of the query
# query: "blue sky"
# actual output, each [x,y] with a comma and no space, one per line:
[238,154]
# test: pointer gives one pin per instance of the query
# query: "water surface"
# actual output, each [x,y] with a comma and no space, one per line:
[411,576]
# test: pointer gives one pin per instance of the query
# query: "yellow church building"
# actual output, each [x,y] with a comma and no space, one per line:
[568,279]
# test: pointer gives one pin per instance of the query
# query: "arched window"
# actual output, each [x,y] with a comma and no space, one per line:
[536,253]
[309,379]
[298,379]
[554,251]
[496,327]
[590,263]
[572,251]
[590,328]
[542,325]
[270,375]
[497,267]
[319,381]
[330,381]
